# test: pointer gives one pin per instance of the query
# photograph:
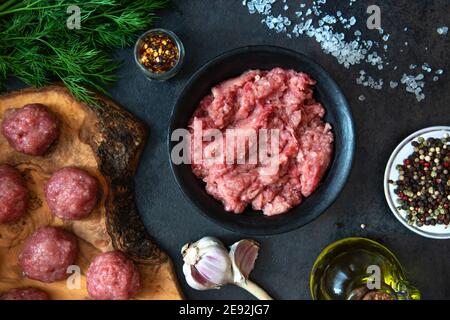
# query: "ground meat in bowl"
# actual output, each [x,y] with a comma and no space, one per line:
[30,129]
[278,101]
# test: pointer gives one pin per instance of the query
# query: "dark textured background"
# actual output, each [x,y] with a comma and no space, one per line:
[209,27]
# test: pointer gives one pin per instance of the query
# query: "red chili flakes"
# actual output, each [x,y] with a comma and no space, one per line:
[159,53]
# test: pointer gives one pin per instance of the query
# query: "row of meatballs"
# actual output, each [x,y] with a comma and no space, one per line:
[71,194]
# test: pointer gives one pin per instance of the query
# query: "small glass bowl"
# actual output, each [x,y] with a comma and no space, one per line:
[163,75]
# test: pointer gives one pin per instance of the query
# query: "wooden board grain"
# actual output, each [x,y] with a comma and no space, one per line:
[107,142]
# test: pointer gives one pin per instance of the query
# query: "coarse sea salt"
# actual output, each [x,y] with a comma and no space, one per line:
[279,23]
[414,84]
[368,81]
[259,6]
[393,84]
[349,49]
[442,30]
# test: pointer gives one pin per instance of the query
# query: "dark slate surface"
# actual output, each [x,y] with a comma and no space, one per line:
[208,28]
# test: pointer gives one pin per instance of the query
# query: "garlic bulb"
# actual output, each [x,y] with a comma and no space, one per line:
[208,265]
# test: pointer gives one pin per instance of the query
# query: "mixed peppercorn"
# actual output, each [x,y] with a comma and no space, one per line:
[158,53]
[423,185]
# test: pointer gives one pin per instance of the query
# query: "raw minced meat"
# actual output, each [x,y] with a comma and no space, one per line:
[24,294]
[30,129]
[276,99]
[112,276]
[71,193]
[13,194]
[47,254]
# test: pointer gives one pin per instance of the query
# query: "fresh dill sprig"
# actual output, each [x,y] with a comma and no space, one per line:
[37,46]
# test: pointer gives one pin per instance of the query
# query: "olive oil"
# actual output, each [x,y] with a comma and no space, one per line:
[359,268]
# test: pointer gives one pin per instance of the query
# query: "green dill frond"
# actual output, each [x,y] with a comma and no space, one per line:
[37,47]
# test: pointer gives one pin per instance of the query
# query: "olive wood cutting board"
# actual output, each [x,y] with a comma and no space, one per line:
[106,142]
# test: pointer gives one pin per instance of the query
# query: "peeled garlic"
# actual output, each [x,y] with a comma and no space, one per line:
[208,265]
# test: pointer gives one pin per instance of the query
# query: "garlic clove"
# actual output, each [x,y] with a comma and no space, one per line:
[243,255]
[195,280]
[207,264]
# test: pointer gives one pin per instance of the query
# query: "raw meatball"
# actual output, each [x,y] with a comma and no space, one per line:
[30,129]
[24,294]
[112,276]
[47,254]
[71,193]
[13,194]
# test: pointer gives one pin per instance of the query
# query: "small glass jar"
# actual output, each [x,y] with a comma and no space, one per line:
[165,75]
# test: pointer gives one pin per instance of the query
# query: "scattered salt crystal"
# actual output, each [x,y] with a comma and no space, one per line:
[279,24]
[440,71]
[329,19]
[368,81]
[361,98]
[426,67]
[435,78]
[420,76]
[352,21]
[348,49]
[393,84]
[259,6]
[414,86]
[442,30]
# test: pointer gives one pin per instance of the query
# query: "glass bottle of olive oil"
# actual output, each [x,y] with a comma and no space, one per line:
[359,269]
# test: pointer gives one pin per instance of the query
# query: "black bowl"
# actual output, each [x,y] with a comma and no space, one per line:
[232,64]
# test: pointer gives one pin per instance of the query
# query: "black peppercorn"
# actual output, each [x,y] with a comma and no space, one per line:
[423,187]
